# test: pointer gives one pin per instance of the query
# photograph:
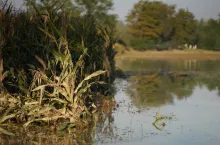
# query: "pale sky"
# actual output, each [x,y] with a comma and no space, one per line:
[200,8]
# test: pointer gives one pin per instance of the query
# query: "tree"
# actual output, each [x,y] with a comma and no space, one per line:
[122,34]
[149,19]
[209,34]
[99,9]
[96,7]
[184,25]
[63,5]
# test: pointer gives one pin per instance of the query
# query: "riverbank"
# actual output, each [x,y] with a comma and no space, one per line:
[170,55]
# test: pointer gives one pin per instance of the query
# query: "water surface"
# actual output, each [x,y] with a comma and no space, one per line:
[186,93]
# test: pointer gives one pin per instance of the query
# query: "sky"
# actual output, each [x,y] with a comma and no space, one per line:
[200,8]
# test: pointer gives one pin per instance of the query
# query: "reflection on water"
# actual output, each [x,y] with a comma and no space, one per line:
[160,102]
[155,90]
[161,65]
[179,74]
[190,64]
[188,90]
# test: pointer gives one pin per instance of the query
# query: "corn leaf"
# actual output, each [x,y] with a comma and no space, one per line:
[95,74]
[3,131]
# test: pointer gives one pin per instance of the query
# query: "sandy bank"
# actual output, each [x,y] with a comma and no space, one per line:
[171,54]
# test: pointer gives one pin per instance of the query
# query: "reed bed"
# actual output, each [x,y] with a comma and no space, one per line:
[52,66]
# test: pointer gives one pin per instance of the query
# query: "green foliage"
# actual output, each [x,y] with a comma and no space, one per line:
[185,26]
[209,34]
[148,19]
[142,44]
[122,34]
[6,31]
[163,46]
[145,44]
[161,23]
[62,5]
[157,25]
[99,9]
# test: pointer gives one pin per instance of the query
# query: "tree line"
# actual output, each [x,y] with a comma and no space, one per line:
[155,24]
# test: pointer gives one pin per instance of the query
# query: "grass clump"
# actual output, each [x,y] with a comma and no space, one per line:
[54,65]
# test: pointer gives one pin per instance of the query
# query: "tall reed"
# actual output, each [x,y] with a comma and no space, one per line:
[6,30]
[53,59]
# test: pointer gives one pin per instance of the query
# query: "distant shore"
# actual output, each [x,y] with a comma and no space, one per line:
[170,55]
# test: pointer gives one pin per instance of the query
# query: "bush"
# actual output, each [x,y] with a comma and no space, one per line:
[142,44]
[162,46]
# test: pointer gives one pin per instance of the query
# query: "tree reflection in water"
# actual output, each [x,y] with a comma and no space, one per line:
[156,90]
[170,79]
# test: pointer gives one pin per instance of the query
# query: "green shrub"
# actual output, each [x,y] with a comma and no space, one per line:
[142,44]
[162,46]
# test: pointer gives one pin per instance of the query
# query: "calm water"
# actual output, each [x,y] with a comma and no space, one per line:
[183,95]
[186,92]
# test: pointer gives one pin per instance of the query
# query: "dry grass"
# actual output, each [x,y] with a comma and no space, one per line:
[170,55]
